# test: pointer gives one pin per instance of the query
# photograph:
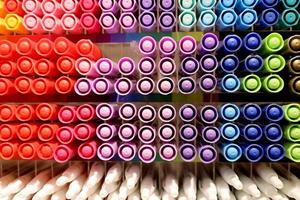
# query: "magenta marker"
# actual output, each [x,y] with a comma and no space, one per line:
[209,42]
[209,114]
[147,5]
[189,66]
[126,66]
[187,112]
[128,23]
[188,132]
[208,63]
[167,5]
[127,132]
[146,66]
[188,152]
[147,153]
[167,66]
[207,83]
[109,6]
[207,154]
[106,67]
[86,67]
[167,46]
[147,46]
[127,111]
[124,86]
[83,86]
[84,131]
[167,132]
[210,134]
[187,45]
[128,6]
[167,113]
[147,134]
[102,86]
[106,132]
[109,23]
[105,111]
[127,151]
[147,114]
[107,151]
[147,21]
[186,85]
[167,22]
[145,86]
[168,152]
[165,86]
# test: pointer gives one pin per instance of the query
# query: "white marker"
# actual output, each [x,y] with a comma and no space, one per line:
[70,174]
[268,189]
[135,195]
[230,177]
[106,189]
[95,196]
[114,174]
[132,175]
[190,186]
[5,180]
[290,188]
[148,186]
[232,196]
[170,185]
[95,175]
[166,196]
[113,196]
[241,195]
[200,195]
[49,188]
[17,185]
[223,189]
[124,191]
[182,195]
[249,186]
[61,194]
[75,186]
[269,175]
[207,186]
[263,197]
[155,196]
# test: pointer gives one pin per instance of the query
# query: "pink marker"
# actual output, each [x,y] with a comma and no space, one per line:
[109,6]
[71,24]
[83,87]
[105,111]
[32,6]
[64,153]
[127,151]
[51,23]
[84,131]
[168,152]
[106,67]
[90,23]
[124,86]
[128,23]
[85,112]
[51,7]
[128,6]
[127,132]
[67,114]
[167,113]
[88,150]
[101,86]
[147,134]
[147,46]
[106,132]
[167,132]
[145,86]
[71,7]
[86,67]
[126,66]
[147,114]
[127,111]
[65,134]
[167,66]
[107,151]
[33,23]
[109,23]
[89,6]
[165,86]
[187,45]
[146,66]
[147,153]
[167,46]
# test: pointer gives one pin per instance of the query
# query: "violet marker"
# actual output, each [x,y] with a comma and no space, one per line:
[147,134]
[208,63]
[187,152]
[127,151]
[147,153]
[106,67]
[167,113]
[124,86]
[167,22]
[109,23]
[165,86]
[187,45]
[168,152]
[147,66]
[128,6]
[207,154]
[147,46]
[147,5]
[167,66]
[188,132]
[127,111]
[167,5]
[209,114]
[128,23]
[83,86]
[186,85]
[106,132]
[167,132]
[127,132]
[187,112]
[109,6]
[145,86]
[105,111]
[127,66]
[147,114]
[107,151]
[207,83]
[147,21]
[167,46]
[209,43]
[189,66]
[102,86]
[210,134]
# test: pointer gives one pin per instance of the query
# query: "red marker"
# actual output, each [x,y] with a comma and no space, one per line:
[9,150]
[7,132]
[25,65]
[65,134]
[8,69]
[64,153]
[84,131]
[67,114]
[28,150]
[51,7]
[71,24]
[88,150]
[45,151]
[46,132]
[46,111]
[64,85]
[6,87]
[23,84]
[7,49]
[26,132]
[89,6]
[32,6]
[13,6]
[66,65]
[71,6]
[64,47]
[42,86]
[25,113]
[33,23]
[25,47]
[51,23]
[44,67]
[90,23]
[85,112]
[88,49]
[7,113]
[45,48]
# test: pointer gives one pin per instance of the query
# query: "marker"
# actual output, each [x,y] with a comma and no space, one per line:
[127,132]
[45,151]
[65,135]
[251,83]
[273,112]
[147,114]
[229,112]
[147,46]
[26,132]
[88,150]
[64,153]
[109,6]
[67,114]
[204,5]
[187,45]
[209,114]
[210,134]
[9,150]
[44,67]
[267,3]
[269,17]
[189,66]
[106,67]
[274,63]
[64,85]
[128,6]
[66,65]
[70,6]
[167,132]
[225,4]
[126,66]
[127,151]
[294,65]
[147,5]
[8,49]
[231,152]
[146,66]
[187,152]
[101,86]
[295,85]
[292,44]
[50,23]
[85,112]
[23,84]
[46,111]
[47,132]
[27,151]
[33,23]
[45,48]
[231,44]
[87,48]
[25,65]
[14,23]
[90,23]
[168,152]
[127,111]
[51,7]
[147,21]
[186,85]
[167,66]
[167,21]
[167,46]
[292,112]
[207,154]
[230,131]
[8,69]
[7,132]
[273,83]
[188,133]
[229,63]
[105,111]
[246,19]
[272,43]
[209,42]
[167,113]
[207,83]
[25,47]
[252,132]
[42,86]
[128,22]
[273,132]
[165,86]
[124,86]
[227,19]
[230,83]
[147,153]
[208,63]
[289,18]
[6,87]
[167,5]
[83,87]
[64,47]
[253,63]
[251,111]
[7,113]
[292,151]
[290,3]
[146,134]
[253,152]
[291,132]
[186,5]
[275,152]
[187,112]
[89,6]
[187,20]
[206,20]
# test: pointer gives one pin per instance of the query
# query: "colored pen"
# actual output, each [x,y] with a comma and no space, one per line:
[124,86]
[90,23]
[230,131]
[208,63]
[292,44]
[252,42]
[127,111]
[207,154]
[186,5]
[187,112]
[290,3]
[25,113]
[230,83]
[187,152]
[244,4]
[267,3]
[292,112]
[167,132]
[187,45]
[44,67]
[273,112]
[64,153]
[147,114]
[291,132]
[289,18]
[167,21]
[251,111]
[167,66]
[42,86]
[186,85]
[268,18]
[8,49]
[295,85]
[107,151]
[229,112]
[246,19]
[128,22]
[165,86]
[127,132]
[189,66]
[188,132]
[253,152]
[70,6]
[209,42]
[206,20]
[147,21]
[275,152]
[230,44]
[208,114]
[207,83]
[66,65]
[210,134]
[253,63]
[83,87]
[251,83]
[88,150]
[64,85]
[25,47]
[25,65]
[187,20]
[89,6]
[231,152]
[273,83]
[146,66]
[274,63]
[226,20]
[105,111]
[168,152]
[6,87]
[146,134]
[167,5]
[106,132]
[167,113]
[102,86]
[147,153]
[272,43]
[109,23]
[9,150]
[252,132]
[47,132]
[127,151]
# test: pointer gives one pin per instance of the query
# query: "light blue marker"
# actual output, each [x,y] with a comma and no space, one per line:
[230,131]
[268,18]
[225,4]
[231,152]
[205,5]
[230,83]
[230,112]
[246,19]
[226,20]
[207,20]
[244,4]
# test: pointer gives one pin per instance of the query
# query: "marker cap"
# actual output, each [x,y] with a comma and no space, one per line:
[146,134]
[7,113]
[42,86]
[231,152]
[292,112]
[252,132]
[186,85]
[291,132]
[83,87]
[206,20]
[44,67]
[226,20]
[129,5]
[253,152]
[25,113]
[7,132]
[25,47]
[128,22]
[8,69]
[23,84]
[51,7]
[67,114]
[50,23]
[167,5]
[46,111]
[26,132]
[85,112]
[230,83]
[167,132]
[274,63]
[147,114]
[127,151]
[70,6]
[187,45]
[25,65]
[7,49]
[127,111]
[187,152]
[9,150]
[13,6]
[109,6]
[251,83]
[47,132]
[167,113]
[65,135]
[273,112]
[146,66]
[71,23]
[188,133]
[64,85]
[45,48]
[167,21]
[167,66]
[289,18]
[167,46]
[230,131]
[229,63]
[272,43]
[106,132]
[208,63]
[86,67]
[109,23]
[147,21]
[251,111]
[64,47]
[273,83]
[28,150]
[294,65]
[275,152]
[33,23]
[45,151]
[145,86]
[186,5]
[187,20]
[207,83]
[252,42]
[246,19]
[292,151]
[124,86]
[210,134]
[165,86]
[126,66]
[273,132]
[89,6]
[168,152]
[64,153]
[292,44]
[147,153]
[187,112]
[6,87]
[295,85]
[209,114]
[88,150]
[90,23]
[107,151]
[84,131]
[253,63]
[189,66]
[101,86]
[207,154]
[105,111]
[14,23]
[231,43]
[267,3]
[87,48]
[229,112]
[268,18]
[209,42]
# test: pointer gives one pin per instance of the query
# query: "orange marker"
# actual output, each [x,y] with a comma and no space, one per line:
[46,111]
[28,151]
[44,67]
[25,47]
[44,47]
[8,69]
[7,49]
[25,113]
[25,65]
[66,65]
[64,85]
[9,150]
[88,49]
[14,6]
[7,132]
[3,30]
[7,113]
[64,47]
[2,9]
[6,87]
[42,86]
[46,132]
[26,132]
[14,23]
[23,84]
[45,151]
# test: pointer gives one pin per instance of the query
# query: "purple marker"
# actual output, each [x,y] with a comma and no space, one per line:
[167,22]
[105,111]
[127,132]
[187,45]
[168,152]
[147,153]
[186,85]
[107,151]
[209,42]
[126,66]
[127,151]
[187,152]
[167,5]
[124,86]
[210,134]
[189,66]
[167,46]
[207,154]
[128,6]
[188,132]
[106,132]
[167,132]
[187,112]
[209,114]
[145,86]
[147,5]
[208,83]
[147,66]
[83,87]
[147,114]
[127,111]
[147,46]
[86,67]
[106,67]
[167,113]
[147,21]
[109,23]
[165,86]
[109,6]
[101,86]
[167,66]
[208,63]
[147,134]
[128,23]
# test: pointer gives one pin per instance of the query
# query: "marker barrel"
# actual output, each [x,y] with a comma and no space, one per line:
[268,18]
[109,23]
[226,20]
[206,20]
[167,21]
[88,150]
[147,153]
[84,131]
[187,20]
[231,152]
[230,83]
[230,131]
[291,132]
[273,83]
[106,132]
[207,154]
[168,152]
[64,153]
[246,19]
[127,151]
[275,152]
[253,152]
[187,152]
[147,21]
[90,23]
[251,83]
[167,132]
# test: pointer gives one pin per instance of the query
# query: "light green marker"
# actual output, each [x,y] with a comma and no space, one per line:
[273,83]
[187,20]
[206,20]
[251,83]
[274,63]
[186,4]
[272,43]
[289,18]
[291,132]
[292,112]
[291,3]
[292,151]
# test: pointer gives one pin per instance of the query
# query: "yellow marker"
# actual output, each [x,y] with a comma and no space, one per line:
[3,30]
[14,23]
[2,10]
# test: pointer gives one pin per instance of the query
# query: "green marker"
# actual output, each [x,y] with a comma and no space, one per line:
[187,20]
[273,83]
[274,63]
[186,4]
[291,3]
[251,83]
[291,132]
[272,43]
[292,112]
[292,151]
[289,18]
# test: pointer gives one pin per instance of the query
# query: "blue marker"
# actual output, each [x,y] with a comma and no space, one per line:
[205,5]
[274,152]
[253,63]
[231,44]
[229,63]
[246,20]
[267,3]
[273,132]
[206,20]
[253,152]
[244,4]
[268,18]
[230,83]
[229,112]
[226,20]
[225,4]
[252,42]
[252,132]
[251,111]
[230,131]
[231,152]
[273,112]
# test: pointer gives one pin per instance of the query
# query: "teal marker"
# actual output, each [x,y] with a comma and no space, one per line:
[251,83]
[205,5]
[186,4]
[272,44]
[292,151]
[291,3]
[292,112]
[274,63]
[273,83]
[187,20]
[291,132]
[244,4]
[207,20]
[289,18]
